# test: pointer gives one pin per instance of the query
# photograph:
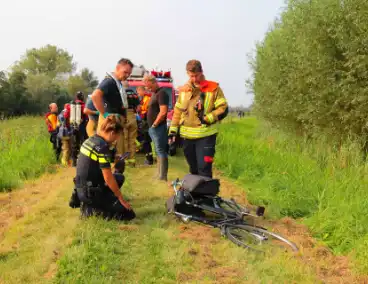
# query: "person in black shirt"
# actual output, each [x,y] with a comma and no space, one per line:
[156,118]
[110,97]
[96,187]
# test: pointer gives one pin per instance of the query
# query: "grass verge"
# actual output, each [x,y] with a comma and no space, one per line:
[325,187]
[25,151]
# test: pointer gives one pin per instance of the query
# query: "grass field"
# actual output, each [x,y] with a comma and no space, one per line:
[24,150]
[327,188]
[48,243]
[42,240]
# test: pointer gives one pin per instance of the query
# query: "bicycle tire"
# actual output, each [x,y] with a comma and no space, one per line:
[258,237]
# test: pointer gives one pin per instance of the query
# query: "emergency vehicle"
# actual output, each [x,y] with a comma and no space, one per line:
[164,81]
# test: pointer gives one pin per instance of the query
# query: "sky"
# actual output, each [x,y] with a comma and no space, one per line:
[163,33]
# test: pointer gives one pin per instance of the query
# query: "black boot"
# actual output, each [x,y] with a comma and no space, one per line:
[149,159]
[74,200]
[164,167]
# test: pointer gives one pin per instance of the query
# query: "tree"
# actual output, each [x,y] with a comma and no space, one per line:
[13,93]
[90,78]
[85,82]
[75,84]
[50,60]
[42,75]
[310,73]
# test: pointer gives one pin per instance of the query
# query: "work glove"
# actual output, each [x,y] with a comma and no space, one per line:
[171,137]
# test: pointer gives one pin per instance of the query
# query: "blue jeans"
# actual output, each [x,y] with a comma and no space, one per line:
[159,138]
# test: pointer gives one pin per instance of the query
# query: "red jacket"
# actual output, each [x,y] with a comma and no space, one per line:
[67,111]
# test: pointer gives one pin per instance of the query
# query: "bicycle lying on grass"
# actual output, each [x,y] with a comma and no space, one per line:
[196,200]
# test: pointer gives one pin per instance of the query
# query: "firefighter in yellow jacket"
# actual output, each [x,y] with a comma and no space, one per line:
[200,105]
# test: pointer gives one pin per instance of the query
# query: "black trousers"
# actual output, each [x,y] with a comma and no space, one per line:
[107,205]
[199,154]
[147,148]
[77,139]
[56,144]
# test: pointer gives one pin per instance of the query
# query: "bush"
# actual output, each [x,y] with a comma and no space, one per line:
[311,71]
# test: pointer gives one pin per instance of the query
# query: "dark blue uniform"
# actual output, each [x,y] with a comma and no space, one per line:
[96,197]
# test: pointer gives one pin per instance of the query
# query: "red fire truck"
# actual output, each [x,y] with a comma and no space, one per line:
[164,80]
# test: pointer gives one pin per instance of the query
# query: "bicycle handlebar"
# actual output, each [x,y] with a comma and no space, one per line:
[175,183]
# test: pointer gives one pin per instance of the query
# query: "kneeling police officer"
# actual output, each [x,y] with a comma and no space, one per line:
[96,187]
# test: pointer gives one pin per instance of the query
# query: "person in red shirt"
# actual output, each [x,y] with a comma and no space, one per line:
[78,99]
[80,133]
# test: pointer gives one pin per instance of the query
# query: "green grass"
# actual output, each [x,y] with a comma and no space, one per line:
[25,151]
[326,187]
[153,248]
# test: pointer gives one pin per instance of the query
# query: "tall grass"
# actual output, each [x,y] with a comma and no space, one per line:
[326,187]
[25,151]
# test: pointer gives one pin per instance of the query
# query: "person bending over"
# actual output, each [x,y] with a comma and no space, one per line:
[96,187]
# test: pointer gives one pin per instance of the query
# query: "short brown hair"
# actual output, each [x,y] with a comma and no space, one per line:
[125,61]
[112,123]
[194,66]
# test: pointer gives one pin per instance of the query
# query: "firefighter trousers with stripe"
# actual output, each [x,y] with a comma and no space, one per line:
[130,134]
[200,154]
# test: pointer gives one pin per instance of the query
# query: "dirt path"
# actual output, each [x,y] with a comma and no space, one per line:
[36,227]
[15,204]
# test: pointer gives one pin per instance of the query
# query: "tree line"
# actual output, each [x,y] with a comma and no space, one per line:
[41,76]
[310,73]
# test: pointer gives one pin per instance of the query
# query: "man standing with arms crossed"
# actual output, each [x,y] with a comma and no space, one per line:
[200,105]
[156,118]
[110,97]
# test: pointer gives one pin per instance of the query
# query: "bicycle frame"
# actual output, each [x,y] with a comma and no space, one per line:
[228,221]
[228,216]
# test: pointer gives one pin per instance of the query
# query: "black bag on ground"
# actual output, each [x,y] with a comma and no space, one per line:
[200,185]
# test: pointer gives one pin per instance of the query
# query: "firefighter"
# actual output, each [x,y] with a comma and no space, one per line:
[78,129]
[110,97]
[131,127]
[52,127]
[147,148]
[64,136]
[200,105]
[93,114]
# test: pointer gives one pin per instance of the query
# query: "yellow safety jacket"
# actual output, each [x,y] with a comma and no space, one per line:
[144,105]
[198,109]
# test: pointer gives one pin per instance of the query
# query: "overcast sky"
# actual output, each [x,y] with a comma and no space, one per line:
[166,33]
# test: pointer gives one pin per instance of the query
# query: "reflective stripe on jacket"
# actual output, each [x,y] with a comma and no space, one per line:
[144,105]
[208,100]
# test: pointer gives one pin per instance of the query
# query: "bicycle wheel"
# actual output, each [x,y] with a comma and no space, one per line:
[257,239]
